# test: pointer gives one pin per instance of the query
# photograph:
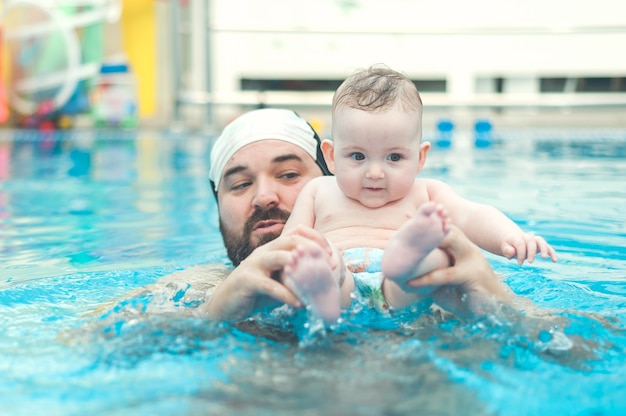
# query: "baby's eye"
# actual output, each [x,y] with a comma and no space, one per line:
[394,157]
[357,156]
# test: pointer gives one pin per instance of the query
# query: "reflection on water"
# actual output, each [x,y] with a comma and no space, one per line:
[94,199]
[143,363]
[87,217]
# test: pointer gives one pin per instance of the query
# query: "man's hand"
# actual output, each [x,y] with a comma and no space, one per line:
[254,282]
[468,283]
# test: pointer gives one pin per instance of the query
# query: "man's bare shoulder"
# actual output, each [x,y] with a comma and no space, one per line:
[177,294]
[189,286]
[200,274]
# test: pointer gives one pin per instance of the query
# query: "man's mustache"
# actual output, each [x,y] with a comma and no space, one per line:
[239,246]
[258,215]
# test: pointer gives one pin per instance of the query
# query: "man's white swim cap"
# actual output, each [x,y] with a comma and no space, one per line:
[264,124]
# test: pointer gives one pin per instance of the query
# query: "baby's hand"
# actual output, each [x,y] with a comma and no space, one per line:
[525,246]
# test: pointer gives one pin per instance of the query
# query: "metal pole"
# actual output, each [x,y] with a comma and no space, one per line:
[176,57]
[208,64]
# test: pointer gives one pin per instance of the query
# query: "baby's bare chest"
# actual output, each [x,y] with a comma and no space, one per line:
[346,215]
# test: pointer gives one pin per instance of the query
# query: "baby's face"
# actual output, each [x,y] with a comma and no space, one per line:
[376,155]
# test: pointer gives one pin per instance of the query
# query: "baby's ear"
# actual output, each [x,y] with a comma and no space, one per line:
[328,149]
[424,148]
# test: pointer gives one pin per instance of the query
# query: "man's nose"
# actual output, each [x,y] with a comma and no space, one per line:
[266,196]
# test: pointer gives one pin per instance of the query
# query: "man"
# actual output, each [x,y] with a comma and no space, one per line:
[258,166]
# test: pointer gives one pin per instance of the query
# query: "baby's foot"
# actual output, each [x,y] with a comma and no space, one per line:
[310,277]
[414,241]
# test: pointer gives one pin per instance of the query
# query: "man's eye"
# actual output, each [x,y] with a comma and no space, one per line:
[394,157]
[240,186]
[357,156]
[290,175]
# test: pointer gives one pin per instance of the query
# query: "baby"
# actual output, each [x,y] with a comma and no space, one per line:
[383,222]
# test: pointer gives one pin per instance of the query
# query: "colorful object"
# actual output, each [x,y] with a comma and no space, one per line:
[54,51]
[139,38]
[445,128]
[483,133]
[4,110]
[114,98]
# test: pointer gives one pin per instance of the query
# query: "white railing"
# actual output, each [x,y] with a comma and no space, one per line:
[230,41]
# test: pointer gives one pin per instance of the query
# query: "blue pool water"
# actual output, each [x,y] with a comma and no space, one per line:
[87,217]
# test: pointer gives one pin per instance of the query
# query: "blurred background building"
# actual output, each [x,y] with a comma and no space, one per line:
[199,63]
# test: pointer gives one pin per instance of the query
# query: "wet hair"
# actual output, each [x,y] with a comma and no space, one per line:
[377,89]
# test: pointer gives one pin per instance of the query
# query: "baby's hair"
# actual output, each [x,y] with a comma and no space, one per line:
[377,88]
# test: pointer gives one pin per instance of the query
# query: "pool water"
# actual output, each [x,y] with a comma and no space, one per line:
[86,217]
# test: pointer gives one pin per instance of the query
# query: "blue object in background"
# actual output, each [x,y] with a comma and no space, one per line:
[79,101]
[445,127]
[483,133]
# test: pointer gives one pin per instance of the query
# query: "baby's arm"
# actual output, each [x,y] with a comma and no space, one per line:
[489,228]
[509,239]
[303,215]
[303,212]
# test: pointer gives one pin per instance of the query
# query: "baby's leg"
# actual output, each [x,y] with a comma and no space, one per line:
[412,252]
[310,276]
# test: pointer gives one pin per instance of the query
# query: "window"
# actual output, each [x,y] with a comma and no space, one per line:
[584,84]
[258,84]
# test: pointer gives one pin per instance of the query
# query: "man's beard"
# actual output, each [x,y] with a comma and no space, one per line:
[238,247]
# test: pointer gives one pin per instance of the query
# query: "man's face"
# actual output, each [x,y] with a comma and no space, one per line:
[257,191]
